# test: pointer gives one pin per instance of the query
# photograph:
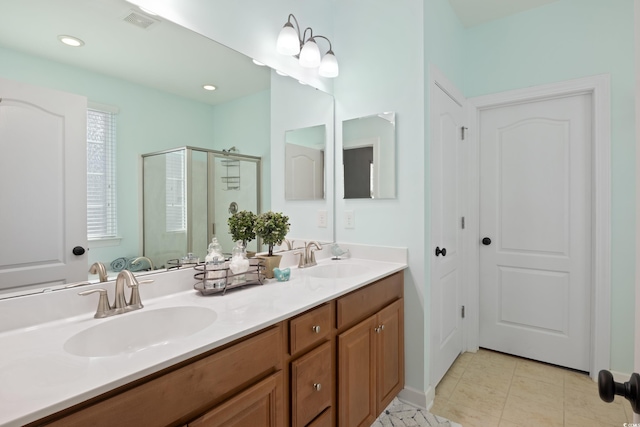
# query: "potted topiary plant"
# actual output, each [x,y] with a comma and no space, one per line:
[272,228]
[241,227]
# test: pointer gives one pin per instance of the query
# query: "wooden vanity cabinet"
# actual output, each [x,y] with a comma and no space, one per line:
[340,363]
[243,378]
[371,352]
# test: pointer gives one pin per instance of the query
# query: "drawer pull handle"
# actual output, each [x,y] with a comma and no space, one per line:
[316,329]
[317,386]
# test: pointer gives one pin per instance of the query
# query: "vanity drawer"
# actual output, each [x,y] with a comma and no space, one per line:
[360,304]
[310,328]
[311,385]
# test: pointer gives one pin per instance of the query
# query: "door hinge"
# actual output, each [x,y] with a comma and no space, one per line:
[462,223]
[462,312]
[463,132]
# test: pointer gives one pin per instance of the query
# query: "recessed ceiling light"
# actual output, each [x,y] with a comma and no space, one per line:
[281,73]
[259,63]
[70,40]
[209,87]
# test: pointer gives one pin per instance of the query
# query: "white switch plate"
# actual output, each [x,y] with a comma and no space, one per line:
[322,219]
[349,219]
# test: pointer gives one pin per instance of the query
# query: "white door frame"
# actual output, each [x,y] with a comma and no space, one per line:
[599,88]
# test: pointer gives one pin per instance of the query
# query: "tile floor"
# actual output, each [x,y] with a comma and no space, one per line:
[400,414]
[491,389]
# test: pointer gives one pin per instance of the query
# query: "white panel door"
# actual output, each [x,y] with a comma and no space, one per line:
[304,173]
[535,207]
[43,186]
[447,117]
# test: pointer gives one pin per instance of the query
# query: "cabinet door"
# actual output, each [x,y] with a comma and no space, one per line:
[356,375]
[260,405]
[390,353]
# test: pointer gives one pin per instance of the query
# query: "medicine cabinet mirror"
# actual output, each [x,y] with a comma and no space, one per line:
[369,157]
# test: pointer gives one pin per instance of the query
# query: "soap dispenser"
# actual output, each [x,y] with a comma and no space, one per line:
[214,265]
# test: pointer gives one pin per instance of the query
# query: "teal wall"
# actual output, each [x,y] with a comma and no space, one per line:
[245,123]
[149,120]
[566,40]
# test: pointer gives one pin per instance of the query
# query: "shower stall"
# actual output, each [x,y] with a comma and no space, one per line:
[188,195]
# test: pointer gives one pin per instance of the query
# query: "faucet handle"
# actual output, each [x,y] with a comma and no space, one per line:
[103,302]
[135,302]
[301,259]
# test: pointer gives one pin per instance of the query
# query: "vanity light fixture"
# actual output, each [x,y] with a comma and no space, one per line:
[70,40]
[305,48]
[209,87]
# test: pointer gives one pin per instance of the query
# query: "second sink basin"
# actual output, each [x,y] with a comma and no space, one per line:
[130,332]
[337,270]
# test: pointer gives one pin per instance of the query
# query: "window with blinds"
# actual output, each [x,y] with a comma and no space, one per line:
[176,203]
[101,173]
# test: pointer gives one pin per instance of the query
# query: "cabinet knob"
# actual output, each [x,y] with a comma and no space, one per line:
[316,329]
[377,329]
[317,386]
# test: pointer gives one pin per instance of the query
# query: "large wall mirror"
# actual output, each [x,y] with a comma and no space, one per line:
[369,157]
[153,72]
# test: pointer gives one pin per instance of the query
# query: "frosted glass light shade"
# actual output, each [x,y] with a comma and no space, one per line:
[288,42]
[329,66]
[310,55]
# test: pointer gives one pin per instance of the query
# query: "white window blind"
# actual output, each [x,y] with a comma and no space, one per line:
[101,173]
[176,211]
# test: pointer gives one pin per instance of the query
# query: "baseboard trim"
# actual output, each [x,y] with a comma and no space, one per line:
[620,377]
[421,399]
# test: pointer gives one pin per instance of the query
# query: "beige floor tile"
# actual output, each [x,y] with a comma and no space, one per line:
[469,417]
[578,381]
[499,381]
[540,371]
[446,386]
[575,420]
[588,404]
[628,411]
[483,399]
[439,406]
[496,363]
[539,393]
[523,412]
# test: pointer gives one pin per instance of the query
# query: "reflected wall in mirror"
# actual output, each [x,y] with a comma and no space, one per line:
[369,157]
[295,106]
[304,155]
[154,77]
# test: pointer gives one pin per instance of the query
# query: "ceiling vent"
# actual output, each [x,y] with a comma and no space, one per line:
[140,20]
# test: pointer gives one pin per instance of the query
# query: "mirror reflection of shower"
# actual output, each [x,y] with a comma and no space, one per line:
[188,196]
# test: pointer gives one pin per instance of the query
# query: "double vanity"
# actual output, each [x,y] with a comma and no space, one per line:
[324,348]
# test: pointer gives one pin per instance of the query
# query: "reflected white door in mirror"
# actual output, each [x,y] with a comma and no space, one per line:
[43,217]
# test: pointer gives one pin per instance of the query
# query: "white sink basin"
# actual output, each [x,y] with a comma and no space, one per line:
[130,332]
[337,270]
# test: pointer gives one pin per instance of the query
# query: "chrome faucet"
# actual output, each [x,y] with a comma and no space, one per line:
[308,258]
[99,269]
[141,258]
[120,304]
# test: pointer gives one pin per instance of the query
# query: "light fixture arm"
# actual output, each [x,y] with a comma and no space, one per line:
[323,37]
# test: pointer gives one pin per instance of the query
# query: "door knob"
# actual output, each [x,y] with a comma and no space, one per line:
[442,251]
[607,388]
[78,250]
[486,241]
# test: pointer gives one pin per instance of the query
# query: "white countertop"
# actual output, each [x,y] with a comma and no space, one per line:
[38,377]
